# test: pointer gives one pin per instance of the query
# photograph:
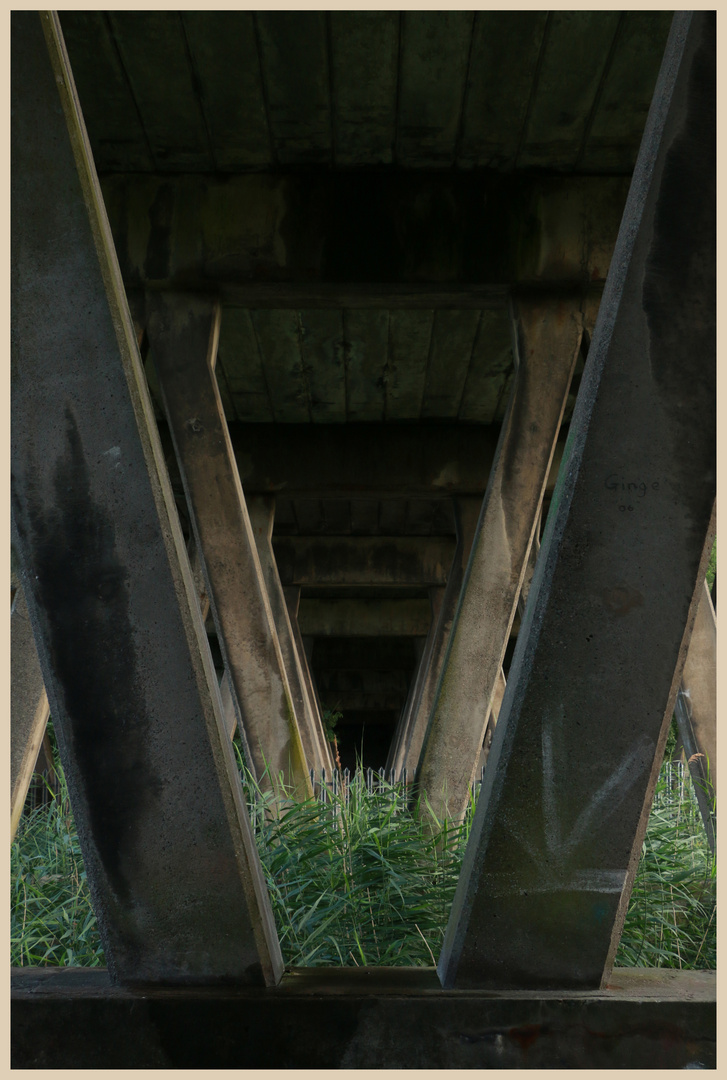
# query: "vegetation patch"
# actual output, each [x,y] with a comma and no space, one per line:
[358,880]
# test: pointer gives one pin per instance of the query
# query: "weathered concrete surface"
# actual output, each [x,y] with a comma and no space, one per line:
[363,560]
[409,736]
[28,704]
[171,862]
[183,336]
[397,757]
[261,509]
[549,338]
[364,618]
[292,602]
[696,712]
[699,683]
[364,1019]
[363,459]
[286,238]
[562,814]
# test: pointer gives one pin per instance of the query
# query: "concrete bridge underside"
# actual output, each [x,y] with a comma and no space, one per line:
[376,374]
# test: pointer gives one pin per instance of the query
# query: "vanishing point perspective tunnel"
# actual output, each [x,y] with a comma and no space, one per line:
[363,377]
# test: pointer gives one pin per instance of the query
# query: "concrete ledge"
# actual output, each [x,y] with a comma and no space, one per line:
[363,1018]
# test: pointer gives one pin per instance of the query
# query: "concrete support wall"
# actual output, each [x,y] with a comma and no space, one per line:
[183,334]
[262,515]
[563,810]
[171,861]
[548,342]
[28,704]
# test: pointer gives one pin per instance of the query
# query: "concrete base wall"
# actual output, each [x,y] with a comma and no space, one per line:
[367,1018]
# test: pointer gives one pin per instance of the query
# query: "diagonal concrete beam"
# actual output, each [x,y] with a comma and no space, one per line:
[29,709]
[562,814]
[183,334]
[261,509]
[408,739]
[548,342]
[696,710]
[171,861]
[400,755]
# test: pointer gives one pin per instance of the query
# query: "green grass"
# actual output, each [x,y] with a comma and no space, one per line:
[671,920]
[51,921]
[361,882]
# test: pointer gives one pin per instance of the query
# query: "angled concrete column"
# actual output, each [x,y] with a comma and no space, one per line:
[261,509]
[412,726]
[696,709]
[400,752]
[305,644]
[28,704]
[562,814]
[183,332]
[548,341]
[492,719]
[171,861]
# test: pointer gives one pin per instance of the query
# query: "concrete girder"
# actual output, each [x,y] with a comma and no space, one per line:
[166,841]
[442,238]
[261,509]
[363,560]
[364,618]
[549,339]
[183,333]
[366,459]
[563,811]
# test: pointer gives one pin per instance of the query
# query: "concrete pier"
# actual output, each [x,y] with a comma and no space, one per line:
[171,861]
[563,810]
[261,509]
[406,748]
[548,341]
[183,334]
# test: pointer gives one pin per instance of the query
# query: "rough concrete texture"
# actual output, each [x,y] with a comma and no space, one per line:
[183,334]
[261,509]
[363,560]
[549,338]
[28,703]
[561,817]
[364,1019]
[434,231]
[172,867]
